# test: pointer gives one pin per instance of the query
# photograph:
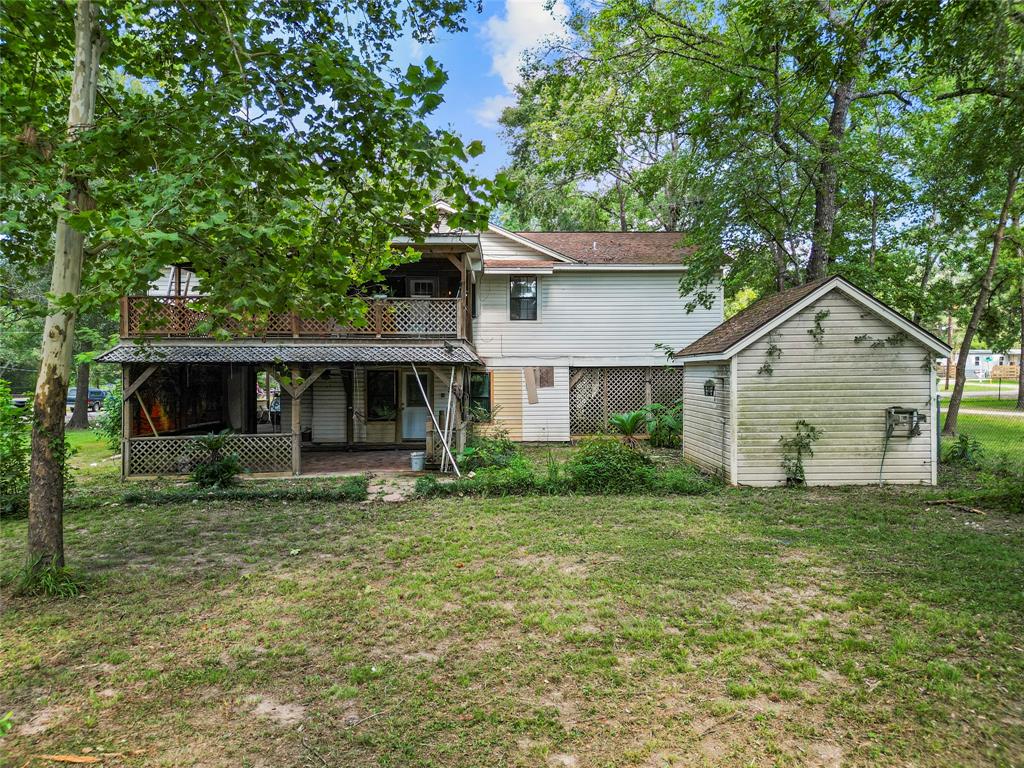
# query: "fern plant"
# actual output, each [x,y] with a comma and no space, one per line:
[628,426]
[218,469]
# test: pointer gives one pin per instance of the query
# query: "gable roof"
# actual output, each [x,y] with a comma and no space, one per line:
[441,205]
[615,247]
[747,326]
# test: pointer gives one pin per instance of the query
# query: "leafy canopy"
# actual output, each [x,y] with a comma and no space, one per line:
[273,146]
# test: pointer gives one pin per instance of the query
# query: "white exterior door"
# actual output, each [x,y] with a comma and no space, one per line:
[414,410]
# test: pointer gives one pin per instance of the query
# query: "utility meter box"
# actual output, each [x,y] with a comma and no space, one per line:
[903,421]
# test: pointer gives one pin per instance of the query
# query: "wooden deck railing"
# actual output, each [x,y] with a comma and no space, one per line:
[172,316]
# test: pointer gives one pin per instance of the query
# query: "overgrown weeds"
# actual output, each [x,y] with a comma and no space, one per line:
[49,580]
[345,489]
[600,466]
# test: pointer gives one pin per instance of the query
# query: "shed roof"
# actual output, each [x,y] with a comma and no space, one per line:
[443,352]
[615,247]
[747,326]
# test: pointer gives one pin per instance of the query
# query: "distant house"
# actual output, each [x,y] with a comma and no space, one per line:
[980,362]
[545,333]
[827,354]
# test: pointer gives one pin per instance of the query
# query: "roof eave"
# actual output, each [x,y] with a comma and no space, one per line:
[837,282]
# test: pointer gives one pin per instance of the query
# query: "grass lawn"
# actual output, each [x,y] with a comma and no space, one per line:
[90,451]
[819,627]
[1007,403]
[979,386]
[1000,435]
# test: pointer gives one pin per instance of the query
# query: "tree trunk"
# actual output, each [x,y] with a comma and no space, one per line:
[1020,358]
[949,342]
[80,415]
[949,428]
[46,479]
[827,183]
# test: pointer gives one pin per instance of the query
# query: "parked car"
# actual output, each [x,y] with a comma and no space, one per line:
[96,398]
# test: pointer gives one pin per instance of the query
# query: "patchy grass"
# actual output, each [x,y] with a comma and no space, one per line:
[999,435]
[781,627]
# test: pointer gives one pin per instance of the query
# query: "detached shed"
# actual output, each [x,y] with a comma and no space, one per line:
[834,359]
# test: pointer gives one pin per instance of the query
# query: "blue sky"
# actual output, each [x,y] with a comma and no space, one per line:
[482,65]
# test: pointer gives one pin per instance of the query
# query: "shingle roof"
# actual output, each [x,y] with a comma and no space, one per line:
[451,353]
[519,263]
[746,322]
[615,247]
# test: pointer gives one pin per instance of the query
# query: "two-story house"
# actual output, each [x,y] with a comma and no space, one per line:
[543,333]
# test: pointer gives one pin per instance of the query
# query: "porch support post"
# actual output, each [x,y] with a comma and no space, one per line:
[126,425]
[433,419]
[296,425]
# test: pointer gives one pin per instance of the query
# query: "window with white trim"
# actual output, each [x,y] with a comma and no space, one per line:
[523,297]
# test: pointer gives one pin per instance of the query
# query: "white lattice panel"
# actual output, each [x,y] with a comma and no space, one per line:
[667,385]
[586,412]
[597,393]
[180,455]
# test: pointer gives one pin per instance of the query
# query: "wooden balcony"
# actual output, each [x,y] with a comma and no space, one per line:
[181,317]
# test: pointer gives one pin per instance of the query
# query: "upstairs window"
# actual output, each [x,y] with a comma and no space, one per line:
[523,297]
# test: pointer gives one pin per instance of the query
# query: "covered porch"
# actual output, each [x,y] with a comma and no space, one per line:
[340,407]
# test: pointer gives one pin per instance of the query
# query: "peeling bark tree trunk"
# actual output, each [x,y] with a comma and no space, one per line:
[46,483]
[949,428]
[80,415]
[827,183]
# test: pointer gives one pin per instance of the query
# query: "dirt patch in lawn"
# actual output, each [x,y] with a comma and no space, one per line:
[286,715]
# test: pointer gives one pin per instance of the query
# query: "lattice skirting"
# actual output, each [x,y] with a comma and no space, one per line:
[597,393]
[180,455]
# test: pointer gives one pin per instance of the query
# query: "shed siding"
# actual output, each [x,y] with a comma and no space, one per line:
[841,386]
[706,428]
[599,318]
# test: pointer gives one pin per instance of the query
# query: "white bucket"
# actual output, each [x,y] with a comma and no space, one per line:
[417,459]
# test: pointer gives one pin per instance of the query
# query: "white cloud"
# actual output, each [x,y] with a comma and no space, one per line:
[525,25]
[490,109]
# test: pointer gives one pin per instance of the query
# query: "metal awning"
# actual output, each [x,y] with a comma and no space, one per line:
[450,352]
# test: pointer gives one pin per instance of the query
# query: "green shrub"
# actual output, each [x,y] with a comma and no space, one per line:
[682,480]
[482,452]
[108,423]
[218,469]
[664,425]
[609,466]
[428,487]
[965,450]
[16,454]
[15,435]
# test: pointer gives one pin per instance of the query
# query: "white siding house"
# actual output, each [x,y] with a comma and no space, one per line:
[827,354]
[549,332]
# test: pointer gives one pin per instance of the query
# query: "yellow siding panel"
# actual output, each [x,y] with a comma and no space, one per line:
[507,401]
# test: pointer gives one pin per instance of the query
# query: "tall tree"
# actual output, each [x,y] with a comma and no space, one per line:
[272,145]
